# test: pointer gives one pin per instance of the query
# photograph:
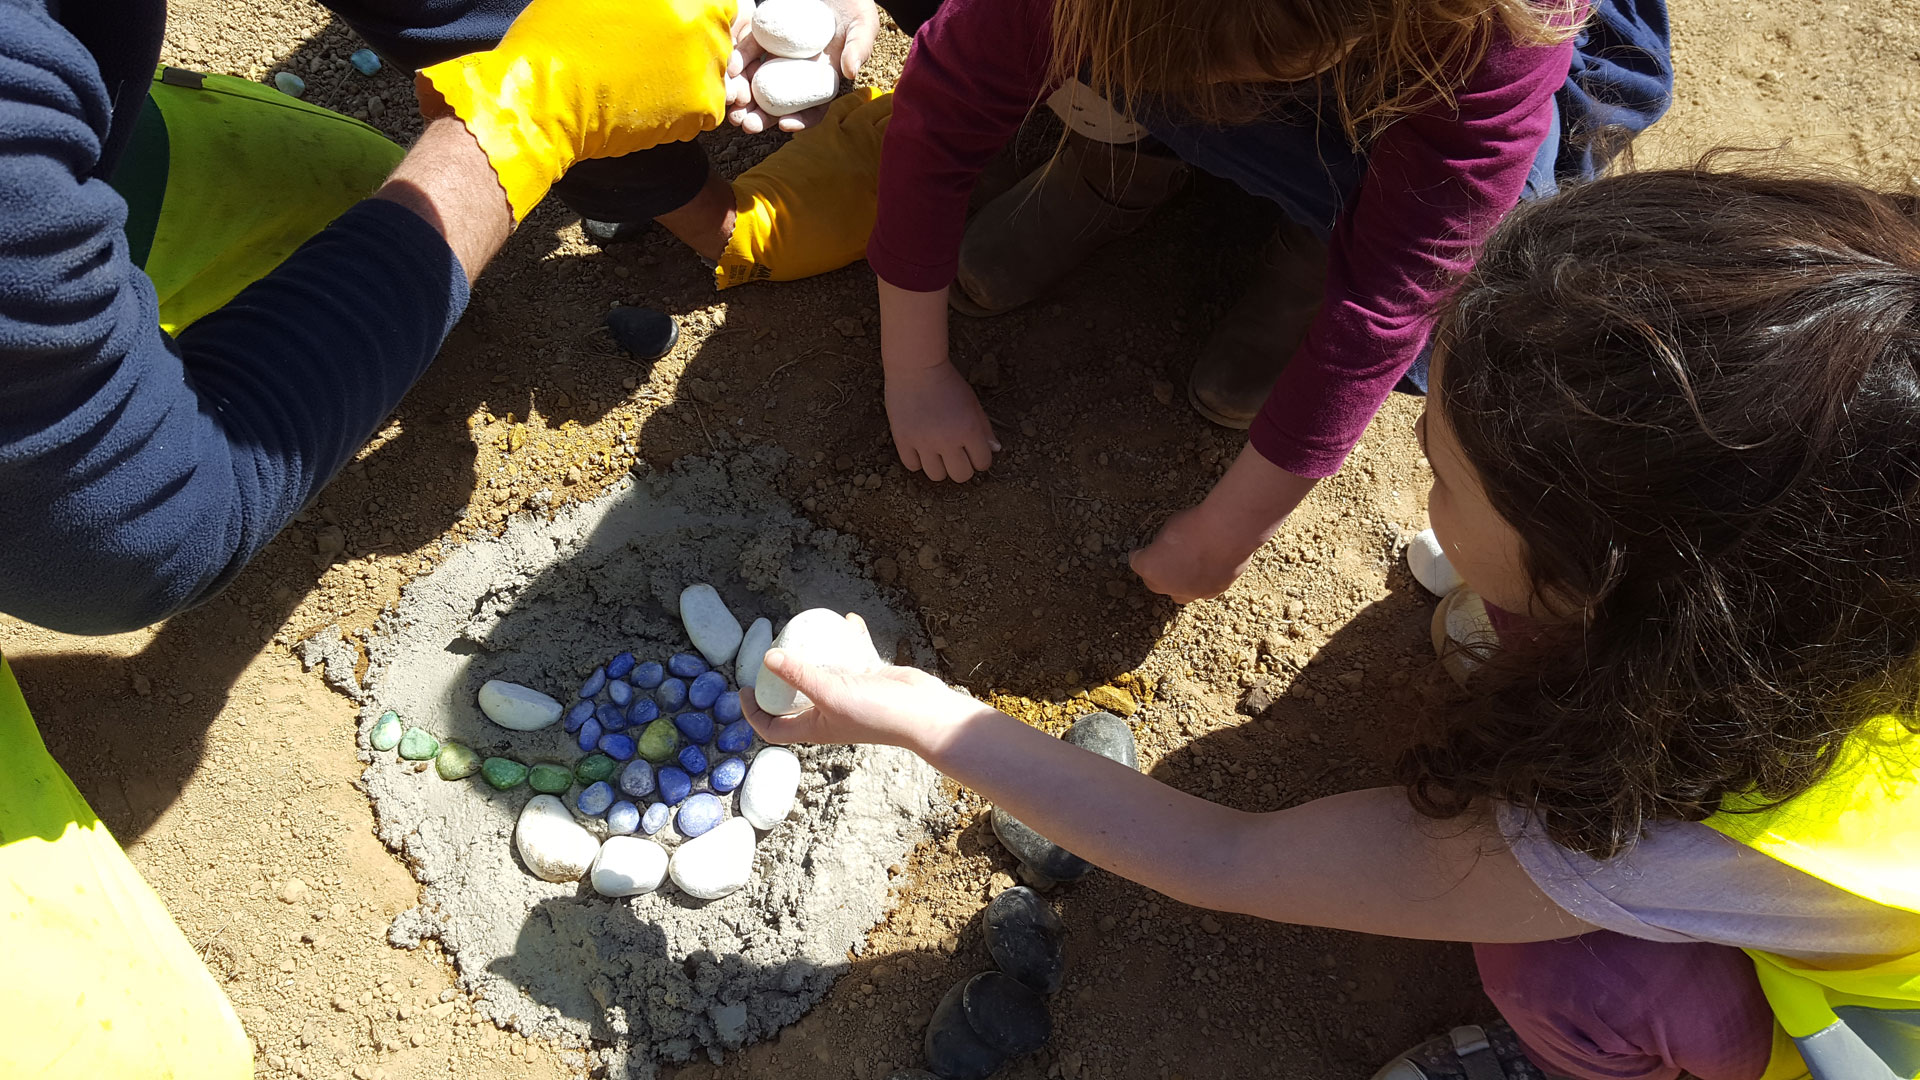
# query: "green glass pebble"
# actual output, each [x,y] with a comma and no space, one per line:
[594,768]
[386,732]
[502,773]
[455,762]
[417,745]
[550,779]
[658,741]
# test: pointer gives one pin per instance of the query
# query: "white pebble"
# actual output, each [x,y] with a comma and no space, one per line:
[782,86]
[714,864]
[1430,565]
[746,666]
[514,706]
[766,795]
[629,866]
[793,28]
[816,636]
[551,843]
[712,628]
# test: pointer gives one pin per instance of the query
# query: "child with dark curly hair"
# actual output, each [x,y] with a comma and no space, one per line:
[1675,422]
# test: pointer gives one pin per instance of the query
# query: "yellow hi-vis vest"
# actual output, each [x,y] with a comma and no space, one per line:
[1858,829]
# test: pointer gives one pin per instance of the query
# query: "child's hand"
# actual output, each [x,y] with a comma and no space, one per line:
[938,424]
[897,706]
[1190,559]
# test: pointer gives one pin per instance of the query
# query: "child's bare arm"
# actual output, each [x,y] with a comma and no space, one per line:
[1359,861]
[938,425]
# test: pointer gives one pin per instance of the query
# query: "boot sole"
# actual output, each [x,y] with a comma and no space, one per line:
[1235,423]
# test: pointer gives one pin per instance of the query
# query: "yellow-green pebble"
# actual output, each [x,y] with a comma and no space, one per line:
[594,768]
[503,774]
[417,745]
[455,762]
[550,779]
[385,734]
[658,741]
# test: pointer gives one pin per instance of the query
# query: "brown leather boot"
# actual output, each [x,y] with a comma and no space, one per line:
[1251,346]
[1023,242]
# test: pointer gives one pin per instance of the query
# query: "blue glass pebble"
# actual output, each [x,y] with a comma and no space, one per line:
[726,707]
[618,667]
[581,712]
[644,711]
[611,718]
[617,747]
[675,785]
[696,726]
[707,689]
[594,801]
[365,61]
[289,84]
[672,694]
[736,737]
[590,733]
[647,676]
[595,683]
[686,664]
[655,818]
[622,818]
[727,774]
[694,760]
[700,814]
[621,692]
[637,778]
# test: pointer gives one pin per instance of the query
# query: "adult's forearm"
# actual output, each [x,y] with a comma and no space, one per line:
[446,179]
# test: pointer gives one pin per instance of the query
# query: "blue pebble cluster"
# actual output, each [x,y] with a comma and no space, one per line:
[620,699]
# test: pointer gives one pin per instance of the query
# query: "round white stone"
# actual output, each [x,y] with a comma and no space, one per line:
[766,795]
[793,28]
[551,843]
[782,86]
[1430,565]
[754,646]
[628,866]
[822,638]
[514,706]
[712,628]
[716,863]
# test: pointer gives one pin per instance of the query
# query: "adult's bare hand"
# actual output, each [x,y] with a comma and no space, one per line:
[856,25]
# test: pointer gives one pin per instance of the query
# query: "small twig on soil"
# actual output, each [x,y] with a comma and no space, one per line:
[703,427]
[845,396]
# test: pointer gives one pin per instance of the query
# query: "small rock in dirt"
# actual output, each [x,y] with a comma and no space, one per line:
[698,815]
[713,865]
[849,327]
[1113,699]
[293,891]
[766,795]
[142,685]
[1026,939]
[503,774]
[1107,735]
[385,733]
[551,843]
[675,785]
[595,800]
[289,84]
[417,745]
[886,570]
[1210,924]
[1116,588]
[710,626]
[657,741]
[727,774]
[929,557]
[517,707]
[455,762]
[1260,697]
[1163,391]
[753,646]
[364,61]
[1007,1014]
[646,334]
[549,779]
[729,1024]
[628,866]
[954,1049]
[622,818]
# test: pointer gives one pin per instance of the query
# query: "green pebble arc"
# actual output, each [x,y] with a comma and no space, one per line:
[386,732]
[594,768]
[657,743]
[503,774]
[455,762]
[417,745]
[550,779]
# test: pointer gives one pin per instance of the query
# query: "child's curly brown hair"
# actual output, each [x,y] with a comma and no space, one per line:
[1694,395]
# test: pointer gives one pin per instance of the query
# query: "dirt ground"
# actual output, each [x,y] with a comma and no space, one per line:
[229,773]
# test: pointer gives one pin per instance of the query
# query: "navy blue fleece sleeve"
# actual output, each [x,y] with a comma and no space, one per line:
[139,473]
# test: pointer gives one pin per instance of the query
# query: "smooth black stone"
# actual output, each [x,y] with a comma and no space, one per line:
[1027,938]
[1006,1013]
[643,332]
[1107,735]
[605,233]
[1041,855]
[954,1050]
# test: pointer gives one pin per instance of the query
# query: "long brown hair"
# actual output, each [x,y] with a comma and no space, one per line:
[1383,58]
[1694,395]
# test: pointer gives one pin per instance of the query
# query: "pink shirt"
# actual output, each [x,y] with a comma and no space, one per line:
[1437,183]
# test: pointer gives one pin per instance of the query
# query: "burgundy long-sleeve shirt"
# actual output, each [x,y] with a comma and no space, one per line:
[1437,182]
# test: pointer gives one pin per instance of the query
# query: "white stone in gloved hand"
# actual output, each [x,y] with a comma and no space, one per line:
[782,87]
[820,637]
[517,707]
[1430,565]
[746,665]
[715,863]
[551,843]
[797,29]
[629,866]
[711,627]
[766,796]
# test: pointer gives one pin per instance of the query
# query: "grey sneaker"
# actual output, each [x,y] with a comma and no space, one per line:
[1468,1052]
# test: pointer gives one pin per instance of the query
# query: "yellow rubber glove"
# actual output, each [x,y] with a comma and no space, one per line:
[578,79]
[809,207]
